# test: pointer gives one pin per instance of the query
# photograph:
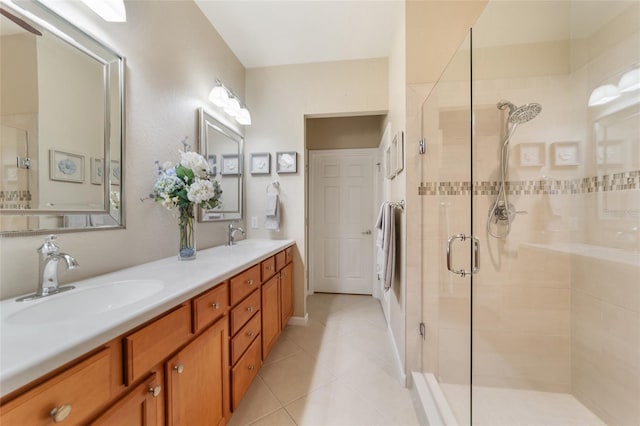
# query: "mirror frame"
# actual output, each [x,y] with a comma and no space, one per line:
[44,19]
[206,119]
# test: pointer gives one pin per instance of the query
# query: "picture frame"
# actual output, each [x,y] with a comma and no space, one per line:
[97,171]
[532,154]
[231,165]
[398,145]
[212,159]
[286,162]
[115,172]
[66,166]
[565,154]
[389,166]
[260,163]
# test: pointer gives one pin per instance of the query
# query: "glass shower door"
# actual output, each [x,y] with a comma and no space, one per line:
[445,193]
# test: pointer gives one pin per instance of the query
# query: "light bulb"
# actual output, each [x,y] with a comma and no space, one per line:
[630,81]
[233,107]
[603,94]
[244,117]
[219,96]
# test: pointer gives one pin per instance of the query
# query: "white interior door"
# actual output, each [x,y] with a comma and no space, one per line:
[341,220]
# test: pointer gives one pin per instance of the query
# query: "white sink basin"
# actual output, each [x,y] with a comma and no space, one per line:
[84,302]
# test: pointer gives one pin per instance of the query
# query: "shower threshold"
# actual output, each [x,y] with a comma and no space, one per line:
[494,406]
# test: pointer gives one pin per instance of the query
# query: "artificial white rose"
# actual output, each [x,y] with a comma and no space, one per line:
[200,191]
[196,162]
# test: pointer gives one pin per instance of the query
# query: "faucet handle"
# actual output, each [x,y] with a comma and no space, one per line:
[49,246]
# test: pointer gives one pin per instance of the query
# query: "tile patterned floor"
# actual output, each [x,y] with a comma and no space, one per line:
[340,369]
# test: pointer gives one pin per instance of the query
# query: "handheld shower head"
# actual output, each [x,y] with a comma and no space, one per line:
[522,114]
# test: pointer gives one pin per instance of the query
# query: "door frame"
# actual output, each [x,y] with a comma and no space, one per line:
[310,202]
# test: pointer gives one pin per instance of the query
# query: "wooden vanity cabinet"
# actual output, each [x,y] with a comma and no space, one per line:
[286,294]
[271,326]
[141,406]
[72,396]
[198,379]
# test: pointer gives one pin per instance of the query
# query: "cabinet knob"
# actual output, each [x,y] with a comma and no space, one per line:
[179,368]
[250,333]
[251,367]
[155,390]
[215,306]
[250,282]
[59,414]
[250,309]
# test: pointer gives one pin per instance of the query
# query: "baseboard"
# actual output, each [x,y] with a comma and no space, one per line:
[399,364]
[299,320]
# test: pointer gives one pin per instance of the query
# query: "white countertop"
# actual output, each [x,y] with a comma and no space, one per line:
[29,349]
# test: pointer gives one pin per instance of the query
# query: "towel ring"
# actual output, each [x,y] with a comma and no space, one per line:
[275,185]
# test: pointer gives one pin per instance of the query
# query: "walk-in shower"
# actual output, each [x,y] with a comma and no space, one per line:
[502,213]
[543,329]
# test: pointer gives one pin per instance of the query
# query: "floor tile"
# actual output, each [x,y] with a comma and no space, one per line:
[256,403]
[277,418]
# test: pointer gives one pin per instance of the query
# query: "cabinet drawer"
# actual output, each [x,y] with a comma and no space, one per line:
[288,253]
[244,311]
[244,283]
[156,341]
[245,370]
[268,267]
[210,306]
[244,337]
[76,393]
[281,260]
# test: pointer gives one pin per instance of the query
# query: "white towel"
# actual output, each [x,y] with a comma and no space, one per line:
[386,225]
[272,212]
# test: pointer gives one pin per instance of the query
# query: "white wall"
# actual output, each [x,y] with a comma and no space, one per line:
[173,57]
[279,99]
[397,187]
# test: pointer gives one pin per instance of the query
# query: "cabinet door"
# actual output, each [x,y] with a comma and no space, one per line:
[139,407]
[198,380]
[286,294]
[270,314]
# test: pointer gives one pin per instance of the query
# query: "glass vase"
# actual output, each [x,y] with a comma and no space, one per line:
[187,249]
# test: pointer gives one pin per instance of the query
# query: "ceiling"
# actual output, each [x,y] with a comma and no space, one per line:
[268,33]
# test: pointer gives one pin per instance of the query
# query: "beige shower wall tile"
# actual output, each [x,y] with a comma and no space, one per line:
[453,357]
[612,282]
[494,341]
[549,368]
[536,298]
[536,321]
[454,313]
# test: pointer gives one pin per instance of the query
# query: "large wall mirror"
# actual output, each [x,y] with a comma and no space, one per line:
[61,125]
[222,147]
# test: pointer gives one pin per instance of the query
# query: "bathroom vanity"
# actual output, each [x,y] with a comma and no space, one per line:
[184,349]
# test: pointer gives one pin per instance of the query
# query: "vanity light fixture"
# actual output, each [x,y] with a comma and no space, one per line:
[630,81]
[226,99]
[109,10]
[603,94]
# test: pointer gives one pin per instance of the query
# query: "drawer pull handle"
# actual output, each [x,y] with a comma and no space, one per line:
[59,414]
[179,368]
[251,367]
[155,390]
[269,268]
[250,282]
[215,306]
[250,333]
[250,309]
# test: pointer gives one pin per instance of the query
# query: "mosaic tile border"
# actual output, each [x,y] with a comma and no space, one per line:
[605,183]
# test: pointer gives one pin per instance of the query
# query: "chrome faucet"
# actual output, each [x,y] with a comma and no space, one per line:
[232,234]
[49,258]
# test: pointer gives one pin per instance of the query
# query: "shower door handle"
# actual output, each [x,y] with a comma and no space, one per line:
[475,254]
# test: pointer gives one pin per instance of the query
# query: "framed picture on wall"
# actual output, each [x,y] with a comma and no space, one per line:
[260,163]
[286,162]
[212,159]
[231,165]
[398,145]
[389,164]
[66,167]
[115,172]
[97,171]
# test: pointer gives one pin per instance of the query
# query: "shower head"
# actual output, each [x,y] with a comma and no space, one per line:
[519,115]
